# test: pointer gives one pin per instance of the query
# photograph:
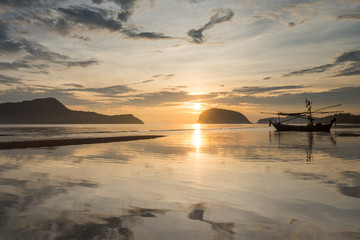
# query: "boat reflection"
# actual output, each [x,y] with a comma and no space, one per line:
[309,157]
[300,140]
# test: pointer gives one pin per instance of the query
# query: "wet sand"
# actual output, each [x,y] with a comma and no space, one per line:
[206,184]
[72,141]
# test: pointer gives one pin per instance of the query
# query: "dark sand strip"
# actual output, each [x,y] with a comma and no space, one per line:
[71,141]
[348,134]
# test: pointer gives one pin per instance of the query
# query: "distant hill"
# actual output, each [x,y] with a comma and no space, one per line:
[217,116]
[275,119]
[51,111]
[340,118]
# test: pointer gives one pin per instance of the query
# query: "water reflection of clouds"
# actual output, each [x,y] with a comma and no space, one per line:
[223,230]
[19,199]
[348,184]
[28,187]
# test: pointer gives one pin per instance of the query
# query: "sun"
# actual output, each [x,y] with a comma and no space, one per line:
[196,106]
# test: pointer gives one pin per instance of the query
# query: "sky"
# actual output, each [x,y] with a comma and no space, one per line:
[166,61]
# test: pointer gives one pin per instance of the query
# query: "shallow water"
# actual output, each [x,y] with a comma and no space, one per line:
[198,182]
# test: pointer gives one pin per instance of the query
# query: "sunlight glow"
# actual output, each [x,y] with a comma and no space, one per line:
[197,93]
[196,106]
[196,138]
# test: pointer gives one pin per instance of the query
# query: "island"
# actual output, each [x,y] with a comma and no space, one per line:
[347,118]
[221,116]
[51,111]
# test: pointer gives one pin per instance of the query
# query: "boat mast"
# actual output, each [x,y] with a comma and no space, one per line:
[308,104]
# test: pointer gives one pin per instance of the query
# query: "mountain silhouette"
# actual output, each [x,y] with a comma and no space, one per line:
[51,111]
[217,116]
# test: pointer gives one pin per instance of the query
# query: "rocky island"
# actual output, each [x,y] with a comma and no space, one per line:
[221,116]
[51,111]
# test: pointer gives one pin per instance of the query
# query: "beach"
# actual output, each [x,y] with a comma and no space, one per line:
[195,182]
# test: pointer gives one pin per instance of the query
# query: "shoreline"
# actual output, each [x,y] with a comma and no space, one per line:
[72,141]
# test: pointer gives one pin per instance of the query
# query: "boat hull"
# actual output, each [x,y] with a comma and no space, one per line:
[304,128]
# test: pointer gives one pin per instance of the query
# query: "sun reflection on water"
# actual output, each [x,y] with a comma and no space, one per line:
[196,138]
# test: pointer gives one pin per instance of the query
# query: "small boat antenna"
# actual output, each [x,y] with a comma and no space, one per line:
[308,105]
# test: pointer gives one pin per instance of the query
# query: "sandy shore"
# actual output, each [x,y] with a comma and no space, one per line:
[72,141]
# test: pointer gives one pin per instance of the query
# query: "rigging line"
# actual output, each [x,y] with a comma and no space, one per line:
[289,119]
[327,112]
[337,105]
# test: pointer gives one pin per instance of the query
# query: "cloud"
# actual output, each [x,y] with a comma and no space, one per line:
[142,82]
[81,37]
[85,63]
[291,24]
[220,15]
[21,93]
[348,96]
[98,18]
[32,63]
[111,91]
[293,14]
[75,85]
[38,56]
[159,98]
[266,78]
[351,57]
[354,69]
[134,33]
[7,80]
[68,94]
[171,96]
[256,89]
[147,81]
[97,1]
[124,15]
[91,17]
[163,76]
[64,19]
[36,51]
[18,64]
[123,95]
[316,69]
[7,44]
[124,4]
[127,8]
[52,20]
[40,52]
[352,15]
[20,3]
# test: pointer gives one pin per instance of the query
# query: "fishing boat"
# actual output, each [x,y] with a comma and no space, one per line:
[319,127]
[308,114]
